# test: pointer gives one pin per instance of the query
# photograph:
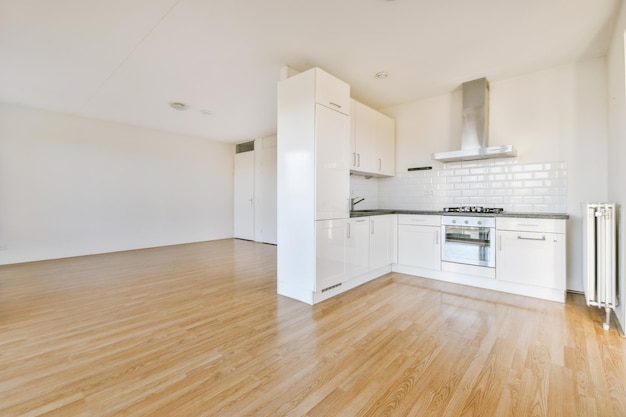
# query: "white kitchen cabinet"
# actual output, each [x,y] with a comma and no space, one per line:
[312,183]
[531,252]
[362,138]
[331,253]
[385,145]
[372,141]
[332,181]
[330,91]
[419,241]
[382,240]
[358,246]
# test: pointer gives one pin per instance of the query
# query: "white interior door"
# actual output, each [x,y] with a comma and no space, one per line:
[244,195]
[265,190]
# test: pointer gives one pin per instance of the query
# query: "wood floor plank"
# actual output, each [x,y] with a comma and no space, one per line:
[198,330]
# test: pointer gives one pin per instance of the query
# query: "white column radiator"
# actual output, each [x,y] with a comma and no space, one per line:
[599,257]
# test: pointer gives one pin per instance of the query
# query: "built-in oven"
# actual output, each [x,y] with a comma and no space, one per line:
[468,240]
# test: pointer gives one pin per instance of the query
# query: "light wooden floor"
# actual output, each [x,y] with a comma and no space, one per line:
[197,330]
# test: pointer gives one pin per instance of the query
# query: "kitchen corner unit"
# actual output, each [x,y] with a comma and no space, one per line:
[321,251]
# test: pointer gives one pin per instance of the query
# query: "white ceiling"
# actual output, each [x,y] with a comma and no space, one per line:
[124,60]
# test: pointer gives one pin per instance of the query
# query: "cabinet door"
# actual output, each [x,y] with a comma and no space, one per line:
[332,171]
[365,138]
[331,92]
[358,246]
[331,256]
[385,145]
[382,239]
[531,258]
[419,246]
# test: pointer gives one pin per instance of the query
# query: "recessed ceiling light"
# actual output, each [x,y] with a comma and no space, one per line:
[176,105]
[381,75]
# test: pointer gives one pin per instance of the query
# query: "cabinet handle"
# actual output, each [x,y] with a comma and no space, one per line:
[500,243]
[358,158]
[348,230]
[437,237]
[354,159]
[334,104]
[543,237]
[527,225]
[380,164]
[371,227]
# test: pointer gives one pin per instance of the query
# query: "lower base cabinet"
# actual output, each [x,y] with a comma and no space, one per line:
[371,243]
[531,258]
[331,253]
[382,240]
[531,252]
[419,243]
[358,246]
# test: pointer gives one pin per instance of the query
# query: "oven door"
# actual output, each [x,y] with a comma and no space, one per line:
[472,245]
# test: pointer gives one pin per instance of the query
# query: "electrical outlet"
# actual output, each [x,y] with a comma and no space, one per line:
[4,246]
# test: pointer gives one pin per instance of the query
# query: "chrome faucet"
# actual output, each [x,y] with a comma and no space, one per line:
[354,201]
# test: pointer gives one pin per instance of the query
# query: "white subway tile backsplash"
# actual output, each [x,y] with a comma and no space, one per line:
[479,171]
[533,167]
[536,187]
[523,176]
[531,184]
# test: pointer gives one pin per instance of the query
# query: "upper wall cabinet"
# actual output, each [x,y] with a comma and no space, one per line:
[372,141]
[331,92]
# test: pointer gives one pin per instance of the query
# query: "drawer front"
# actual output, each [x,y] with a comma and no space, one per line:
[530,225]
[419,219]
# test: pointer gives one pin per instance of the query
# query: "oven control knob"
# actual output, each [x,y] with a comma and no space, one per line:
[479,222]
[453,221]
[466,221]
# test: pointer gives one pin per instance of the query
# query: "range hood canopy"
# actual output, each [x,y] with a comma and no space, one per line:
[475,128]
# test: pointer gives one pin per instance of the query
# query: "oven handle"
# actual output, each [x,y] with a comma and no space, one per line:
[519,236]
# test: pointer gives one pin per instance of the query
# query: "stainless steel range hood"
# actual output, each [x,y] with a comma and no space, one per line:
[475,128]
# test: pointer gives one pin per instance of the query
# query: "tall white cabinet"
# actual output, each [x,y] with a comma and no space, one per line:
[312,184]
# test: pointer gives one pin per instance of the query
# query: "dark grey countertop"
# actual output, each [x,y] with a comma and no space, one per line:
[375,212]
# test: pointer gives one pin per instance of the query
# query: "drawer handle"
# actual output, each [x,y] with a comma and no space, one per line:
[335,104]
[543,237]
[527,225]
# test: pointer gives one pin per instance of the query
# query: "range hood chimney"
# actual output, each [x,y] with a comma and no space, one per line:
[475,128]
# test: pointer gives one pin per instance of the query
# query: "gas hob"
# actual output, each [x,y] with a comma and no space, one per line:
[473,209]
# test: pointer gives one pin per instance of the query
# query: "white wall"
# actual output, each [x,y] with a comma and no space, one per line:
[556,115]
[73,186]
[617,147]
